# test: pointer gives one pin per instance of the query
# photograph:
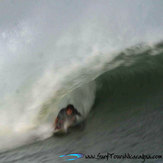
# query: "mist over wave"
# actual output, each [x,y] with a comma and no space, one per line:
[51,55]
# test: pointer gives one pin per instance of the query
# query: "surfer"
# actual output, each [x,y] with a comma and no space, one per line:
[69,113]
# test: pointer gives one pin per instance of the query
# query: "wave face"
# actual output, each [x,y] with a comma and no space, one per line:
[62,56]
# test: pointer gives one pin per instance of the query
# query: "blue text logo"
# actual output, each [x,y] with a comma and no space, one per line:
[72,156]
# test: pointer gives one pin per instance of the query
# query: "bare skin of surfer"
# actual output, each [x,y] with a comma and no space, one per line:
[69,113]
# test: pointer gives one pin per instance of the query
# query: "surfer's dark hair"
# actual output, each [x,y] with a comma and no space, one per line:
[70,106]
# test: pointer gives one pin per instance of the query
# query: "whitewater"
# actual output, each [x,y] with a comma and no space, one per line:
[54,53]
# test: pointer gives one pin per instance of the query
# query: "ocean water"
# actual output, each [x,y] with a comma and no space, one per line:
[104,57]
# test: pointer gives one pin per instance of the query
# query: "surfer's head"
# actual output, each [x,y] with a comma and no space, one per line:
[69,109]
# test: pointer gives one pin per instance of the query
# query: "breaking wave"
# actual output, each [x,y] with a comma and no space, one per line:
[45,66]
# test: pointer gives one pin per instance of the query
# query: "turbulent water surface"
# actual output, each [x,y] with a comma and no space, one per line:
[104,57]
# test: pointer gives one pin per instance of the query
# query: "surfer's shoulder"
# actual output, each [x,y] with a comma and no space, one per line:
[61,112]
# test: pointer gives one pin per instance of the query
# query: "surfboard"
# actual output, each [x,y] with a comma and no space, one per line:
[64,129]
[59,132]
[79,126]
[68,125]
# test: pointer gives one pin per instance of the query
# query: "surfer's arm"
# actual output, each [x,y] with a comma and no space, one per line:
[55,122]
[77,113]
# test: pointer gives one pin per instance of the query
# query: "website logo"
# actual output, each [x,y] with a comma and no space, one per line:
[72,156]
